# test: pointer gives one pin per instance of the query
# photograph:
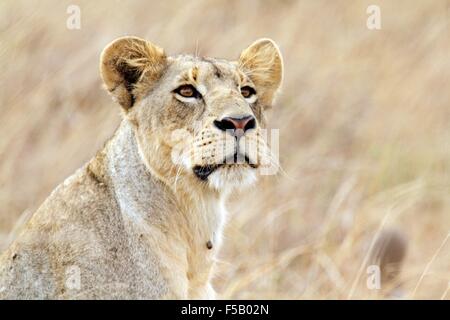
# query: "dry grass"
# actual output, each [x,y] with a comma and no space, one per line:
[364,129]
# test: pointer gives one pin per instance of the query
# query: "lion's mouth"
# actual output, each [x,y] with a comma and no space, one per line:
[203,172]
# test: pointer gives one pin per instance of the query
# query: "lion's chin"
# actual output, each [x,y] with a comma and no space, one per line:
[232,177]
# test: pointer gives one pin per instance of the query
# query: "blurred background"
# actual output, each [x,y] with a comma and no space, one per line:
[364,131]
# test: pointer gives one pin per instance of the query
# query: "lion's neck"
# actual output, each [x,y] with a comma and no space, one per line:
[190,212]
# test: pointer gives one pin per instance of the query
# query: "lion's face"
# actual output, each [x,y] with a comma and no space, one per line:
[193,116]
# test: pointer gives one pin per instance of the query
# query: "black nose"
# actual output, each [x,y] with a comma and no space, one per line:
[243,123]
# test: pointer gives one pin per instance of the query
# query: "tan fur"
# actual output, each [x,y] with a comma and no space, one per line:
[135,221]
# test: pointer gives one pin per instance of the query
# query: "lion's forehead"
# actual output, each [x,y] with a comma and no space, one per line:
[206,70]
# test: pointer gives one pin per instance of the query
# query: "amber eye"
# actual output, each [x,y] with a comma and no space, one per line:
[247,91]
[187,91]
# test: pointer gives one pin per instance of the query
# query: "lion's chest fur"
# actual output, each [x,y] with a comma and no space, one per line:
[179,226]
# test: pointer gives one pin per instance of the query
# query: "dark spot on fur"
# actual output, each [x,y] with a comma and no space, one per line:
[195,73]
[14,257]
[209,245]
[132,99]
[134,123]
[217,71]
[94,176]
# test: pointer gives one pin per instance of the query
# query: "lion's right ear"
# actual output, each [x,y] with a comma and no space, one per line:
[129,66]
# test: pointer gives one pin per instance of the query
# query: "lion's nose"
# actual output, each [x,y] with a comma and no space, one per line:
[238,124]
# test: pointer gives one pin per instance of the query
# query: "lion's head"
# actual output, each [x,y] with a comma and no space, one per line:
[194,117]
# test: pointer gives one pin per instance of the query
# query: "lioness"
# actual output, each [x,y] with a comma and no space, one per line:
[143,218]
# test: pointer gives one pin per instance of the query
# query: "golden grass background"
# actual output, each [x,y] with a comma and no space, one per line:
[364,121]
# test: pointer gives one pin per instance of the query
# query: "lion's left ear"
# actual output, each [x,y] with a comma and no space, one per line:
[129,66]
[263,63]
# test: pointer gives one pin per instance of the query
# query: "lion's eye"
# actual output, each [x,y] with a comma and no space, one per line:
[247,92]
[188,91]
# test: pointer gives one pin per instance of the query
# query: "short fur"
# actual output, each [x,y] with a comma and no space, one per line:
[135,221]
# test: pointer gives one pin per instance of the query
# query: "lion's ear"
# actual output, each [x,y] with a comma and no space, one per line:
[263,63]
[129,66]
